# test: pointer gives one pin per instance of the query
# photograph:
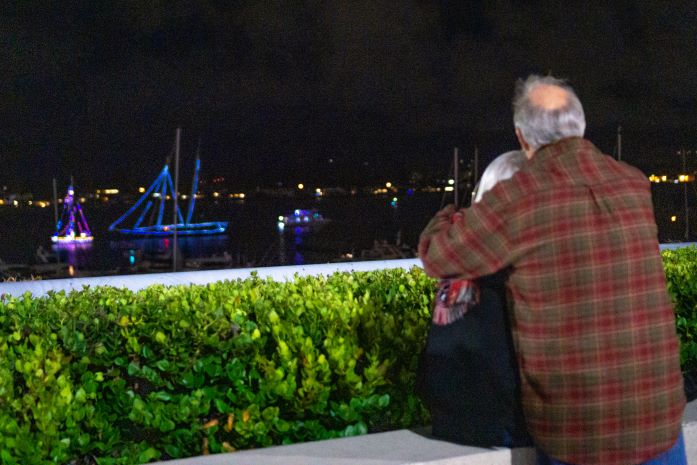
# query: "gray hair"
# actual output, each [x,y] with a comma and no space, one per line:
[503,167]
[540,126]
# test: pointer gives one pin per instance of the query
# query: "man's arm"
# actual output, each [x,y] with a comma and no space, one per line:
[466,244]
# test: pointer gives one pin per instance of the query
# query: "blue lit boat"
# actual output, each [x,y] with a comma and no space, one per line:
[301,220]
[72,227]
[154,199]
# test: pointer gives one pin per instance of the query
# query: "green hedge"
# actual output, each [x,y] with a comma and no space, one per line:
[114,377]
[111,376]
[681,273]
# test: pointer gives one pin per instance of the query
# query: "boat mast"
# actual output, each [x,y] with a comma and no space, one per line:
[476,165]
[55,202]
[456,175]
[174,195]
[684,187]
[194,184]
[619,143]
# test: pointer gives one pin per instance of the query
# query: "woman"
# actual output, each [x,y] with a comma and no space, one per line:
[468,376]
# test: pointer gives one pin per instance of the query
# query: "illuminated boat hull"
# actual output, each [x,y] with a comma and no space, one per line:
[191,229]
[71,239]
[301,221]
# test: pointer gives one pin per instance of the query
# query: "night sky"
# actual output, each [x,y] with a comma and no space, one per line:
[327,92]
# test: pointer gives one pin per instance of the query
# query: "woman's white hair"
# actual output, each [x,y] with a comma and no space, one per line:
[503,167]
[540,126]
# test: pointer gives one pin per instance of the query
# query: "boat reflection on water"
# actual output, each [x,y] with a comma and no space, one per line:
[73,253]
[66,259]
[193,253]
[285,250]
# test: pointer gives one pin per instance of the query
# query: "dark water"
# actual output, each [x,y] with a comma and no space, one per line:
[253,236]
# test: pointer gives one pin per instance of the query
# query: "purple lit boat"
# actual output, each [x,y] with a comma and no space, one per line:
[72,227]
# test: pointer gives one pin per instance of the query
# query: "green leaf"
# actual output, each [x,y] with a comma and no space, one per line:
[148,455]
[133,369]
[162,365]
[162,395]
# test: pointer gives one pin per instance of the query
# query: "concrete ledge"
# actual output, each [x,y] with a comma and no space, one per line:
[136,282]
[403,447]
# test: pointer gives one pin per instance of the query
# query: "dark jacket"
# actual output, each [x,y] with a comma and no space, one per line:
[468,375]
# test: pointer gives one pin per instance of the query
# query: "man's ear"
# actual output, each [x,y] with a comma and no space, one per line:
[523,143]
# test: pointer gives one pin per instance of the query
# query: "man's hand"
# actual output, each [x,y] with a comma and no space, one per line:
[443,219]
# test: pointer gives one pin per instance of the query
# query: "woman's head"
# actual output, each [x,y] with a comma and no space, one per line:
[503,167]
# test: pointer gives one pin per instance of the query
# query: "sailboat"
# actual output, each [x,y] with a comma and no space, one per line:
[72,226]
[154,199]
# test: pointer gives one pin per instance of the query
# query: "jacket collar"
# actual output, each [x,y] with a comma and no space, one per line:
[563,146]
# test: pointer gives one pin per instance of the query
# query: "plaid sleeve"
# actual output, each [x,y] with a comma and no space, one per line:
[466,244]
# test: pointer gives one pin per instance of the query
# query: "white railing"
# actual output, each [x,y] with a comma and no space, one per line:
[139,281]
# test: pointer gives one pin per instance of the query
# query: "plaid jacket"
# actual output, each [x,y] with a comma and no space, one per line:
[592,323]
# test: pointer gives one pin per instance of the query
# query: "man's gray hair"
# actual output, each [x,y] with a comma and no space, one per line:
[540,126]
[503,167]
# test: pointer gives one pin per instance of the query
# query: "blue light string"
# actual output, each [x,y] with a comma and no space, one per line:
[113,225]
[171,187]
[163,194]
[142,215]
[194,188]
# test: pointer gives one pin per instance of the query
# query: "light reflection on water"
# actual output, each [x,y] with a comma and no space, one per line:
[253,239]
[76,254]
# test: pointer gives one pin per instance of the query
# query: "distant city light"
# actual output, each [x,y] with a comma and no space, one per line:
[451,181]
[216,194]
[449,188]
[301,186]
[673,218]
[664,178]
[141,189]
[388,184]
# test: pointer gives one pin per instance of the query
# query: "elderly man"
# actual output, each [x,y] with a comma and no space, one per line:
[592,323]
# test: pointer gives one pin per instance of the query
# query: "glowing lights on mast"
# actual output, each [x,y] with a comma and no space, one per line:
[72,226]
